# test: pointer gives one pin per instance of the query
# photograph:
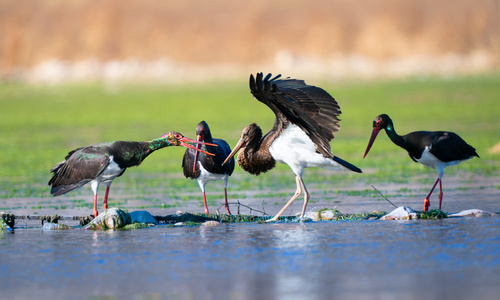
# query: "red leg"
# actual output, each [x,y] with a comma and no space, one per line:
[105,202]
[426,201]
[95,206]
[205,201]
[227,205]
[440,193]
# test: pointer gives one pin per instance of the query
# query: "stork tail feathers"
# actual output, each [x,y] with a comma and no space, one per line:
[347,165]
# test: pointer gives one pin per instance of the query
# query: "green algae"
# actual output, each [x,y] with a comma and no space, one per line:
[432,214]
[136,225]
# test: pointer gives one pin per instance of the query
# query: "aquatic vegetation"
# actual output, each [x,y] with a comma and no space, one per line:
[432,214]
[136,226]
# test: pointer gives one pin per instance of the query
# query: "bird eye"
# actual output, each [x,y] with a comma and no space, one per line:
[177,136]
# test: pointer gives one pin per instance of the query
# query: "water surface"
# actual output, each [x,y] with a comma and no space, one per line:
[426,259]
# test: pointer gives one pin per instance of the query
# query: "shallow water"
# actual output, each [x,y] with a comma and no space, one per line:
[427,259]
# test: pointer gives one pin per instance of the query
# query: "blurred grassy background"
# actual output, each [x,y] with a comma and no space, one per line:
[41,124]
[131,70]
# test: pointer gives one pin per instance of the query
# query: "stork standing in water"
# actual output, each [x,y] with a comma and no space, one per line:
[208,168]
[306,118]
[104,162]
[434,149]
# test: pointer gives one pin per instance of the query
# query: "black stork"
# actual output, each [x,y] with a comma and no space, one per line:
[104,162]
[434,149]
[306,118]
[208,168]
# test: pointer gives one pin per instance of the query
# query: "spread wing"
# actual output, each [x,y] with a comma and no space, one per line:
[309,107]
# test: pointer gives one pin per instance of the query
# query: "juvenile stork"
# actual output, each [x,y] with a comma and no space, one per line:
[306,118]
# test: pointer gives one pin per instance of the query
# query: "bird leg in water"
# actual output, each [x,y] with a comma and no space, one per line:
[300,186]
[440,193]
[105,201]
[205,201]
[306,199]
[225,197]
[426,201]
[95,206]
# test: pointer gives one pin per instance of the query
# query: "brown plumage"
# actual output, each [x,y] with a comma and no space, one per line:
[255,157]
[306,118]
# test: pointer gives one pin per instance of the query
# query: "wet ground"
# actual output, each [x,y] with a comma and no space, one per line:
[456,258]
[162,195]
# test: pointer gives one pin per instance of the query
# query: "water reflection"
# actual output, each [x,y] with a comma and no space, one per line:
[455,258]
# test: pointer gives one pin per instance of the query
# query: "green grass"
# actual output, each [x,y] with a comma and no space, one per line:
[39,125]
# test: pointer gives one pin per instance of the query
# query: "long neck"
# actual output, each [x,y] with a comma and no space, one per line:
[256,158]
[395,138]
[207,138]
[157,144]
[128,154]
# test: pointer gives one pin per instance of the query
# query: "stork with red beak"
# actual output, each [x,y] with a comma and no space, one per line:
[205,168]
[434,149]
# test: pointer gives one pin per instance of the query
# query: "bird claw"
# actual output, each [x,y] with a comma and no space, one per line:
[272,220]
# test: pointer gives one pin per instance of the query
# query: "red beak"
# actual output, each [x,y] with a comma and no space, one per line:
[185,140]
[198,147]
[372,139]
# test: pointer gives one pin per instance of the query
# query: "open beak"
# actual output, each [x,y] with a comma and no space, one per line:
[238,146]
[184,140]
[372,139]
[198,147]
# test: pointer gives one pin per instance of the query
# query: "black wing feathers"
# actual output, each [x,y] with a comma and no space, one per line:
[448,146]
[444,145]
[187,164]
[77,169]
[213,164]
[309,107]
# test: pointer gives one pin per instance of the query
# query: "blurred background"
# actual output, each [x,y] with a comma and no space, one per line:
[79,72]
[56,41]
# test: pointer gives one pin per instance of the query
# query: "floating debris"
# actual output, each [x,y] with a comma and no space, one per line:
[6,221]
[115,218]
[332,214]
[4,225]
[143,217]
[112,218]
[401,213]
[210,223]
[473,213]
[55,226]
